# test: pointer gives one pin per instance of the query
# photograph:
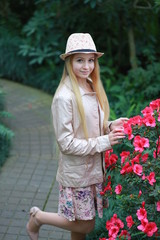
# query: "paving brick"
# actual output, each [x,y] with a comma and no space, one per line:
[1,236]
[10,237]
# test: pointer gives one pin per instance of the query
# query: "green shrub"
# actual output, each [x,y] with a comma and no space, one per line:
[131,93]
[5,133]
[12,65]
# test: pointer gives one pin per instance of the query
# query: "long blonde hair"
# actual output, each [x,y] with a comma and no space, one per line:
[98,88]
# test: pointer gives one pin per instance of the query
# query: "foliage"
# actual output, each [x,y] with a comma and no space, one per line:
[14,66]
[5,133]
[133,181]
[131,93]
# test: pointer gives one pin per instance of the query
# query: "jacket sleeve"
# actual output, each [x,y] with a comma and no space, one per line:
[63,127]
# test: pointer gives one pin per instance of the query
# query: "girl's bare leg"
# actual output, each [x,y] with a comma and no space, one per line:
[78,226]
[77,236]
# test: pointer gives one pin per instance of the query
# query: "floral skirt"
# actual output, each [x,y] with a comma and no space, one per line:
[81,203]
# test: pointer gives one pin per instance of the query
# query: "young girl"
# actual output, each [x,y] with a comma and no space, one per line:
[80,118]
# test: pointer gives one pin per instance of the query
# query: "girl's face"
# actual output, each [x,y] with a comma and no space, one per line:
[83,64]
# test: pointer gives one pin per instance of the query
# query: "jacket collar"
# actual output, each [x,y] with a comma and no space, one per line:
[67,82]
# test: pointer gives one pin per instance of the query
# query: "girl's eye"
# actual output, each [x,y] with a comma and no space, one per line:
[91,60]
[79,60]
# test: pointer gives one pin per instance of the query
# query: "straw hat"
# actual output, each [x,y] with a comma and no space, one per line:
[80,43]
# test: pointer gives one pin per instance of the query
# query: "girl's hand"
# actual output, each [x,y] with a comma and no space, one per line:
[116,135]
[118,123]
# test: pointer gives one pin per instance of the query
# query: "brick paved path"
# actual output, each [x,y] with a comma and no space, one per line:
[28,176]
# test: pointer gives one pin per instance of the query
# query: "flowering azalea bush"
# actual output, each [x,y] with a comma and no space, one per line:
[133,179]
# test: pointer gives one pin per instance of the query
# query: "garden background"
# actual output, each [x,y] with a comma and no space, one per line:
[33,34]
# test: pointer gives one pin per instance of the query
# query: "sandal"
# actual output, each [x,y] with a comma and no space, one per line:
[33,222]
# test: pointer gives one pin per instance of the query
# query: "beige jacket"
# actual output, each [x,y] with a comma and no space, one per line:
[80,162]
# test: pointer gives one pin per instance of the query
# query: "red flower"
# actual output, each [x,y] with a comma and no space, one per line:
[140,193]
[140,143]
[113,226]
[143,204]
[124,155]
[135,159]
[145,157]
[129,221]
[151,178]
[110,159]
[107,188]
[126,169]
[114,222]
[137,169]
[125,234]
[109,177]
[157,151]
[118,189]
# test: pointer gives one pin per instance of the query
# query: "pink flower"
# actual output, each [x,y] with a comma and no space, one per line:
[143,177]
[118,189]
[143,224]
[128,130]
[141,214]
[113,231]
[159,117]
[158,206]
[136,120]
[137,169]
[155,105]
[147,111]
[148,227]
[151,178]
[140,193]
[140,143]
[149,121]
[124,155]
[129,221]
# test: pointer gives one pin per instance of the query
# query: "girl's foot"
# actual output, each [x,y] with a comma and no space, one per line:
[33,225]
